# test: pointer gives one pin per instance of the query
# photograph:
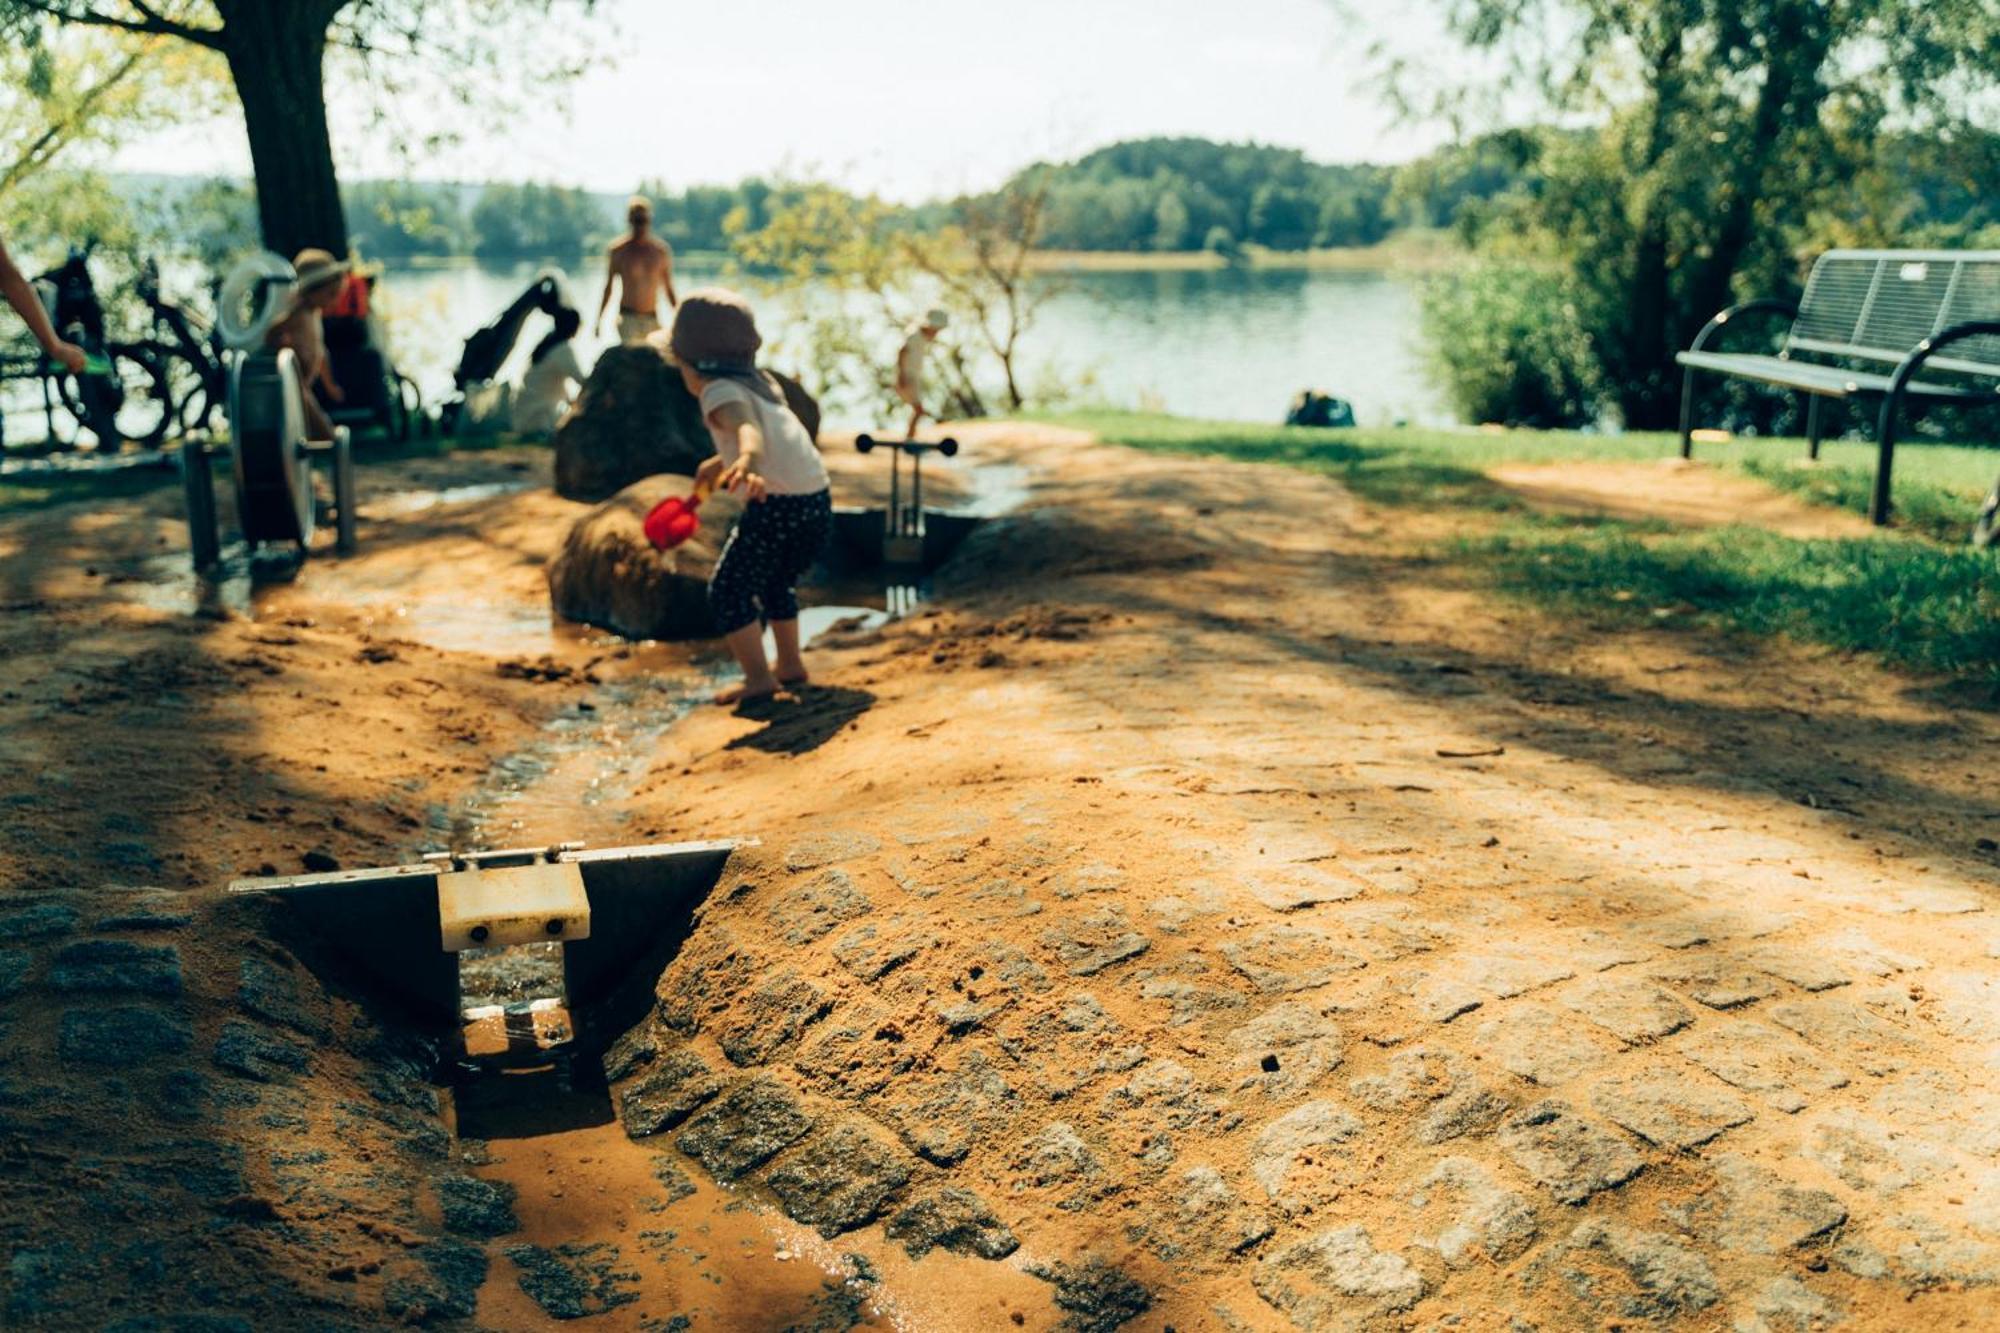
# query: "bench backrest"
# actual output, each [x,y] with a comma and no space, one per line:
[1879,304]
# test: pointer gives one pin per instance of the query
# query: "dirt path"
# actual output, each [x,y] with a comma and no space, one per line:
[1210,904]
[1686,494]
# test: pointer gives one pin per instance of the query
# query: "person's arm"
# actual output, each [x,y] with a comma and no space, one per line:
[334,393]
[604,303]
[28,306]
[667,274]
[746,473]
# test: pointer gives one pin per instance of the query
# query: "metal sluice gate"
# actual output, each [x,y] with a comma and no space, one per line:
[405,926]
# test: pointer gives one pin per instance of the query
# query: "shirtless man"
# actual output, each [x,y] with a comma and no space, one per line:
[642,266]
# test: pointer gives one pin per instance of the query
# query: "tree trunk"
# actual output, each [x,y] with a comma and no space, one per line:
[277,57]
[1648,349]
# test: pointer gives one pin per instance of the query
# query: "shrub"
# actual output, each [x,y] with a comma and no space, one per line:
[1510,347]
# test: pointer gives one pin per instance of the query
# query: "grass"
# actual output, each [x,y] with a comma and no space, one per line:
[1918,596]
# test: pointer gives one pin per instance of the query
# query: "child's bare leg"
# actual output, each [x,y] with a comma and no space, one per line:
[916,415]
[791,669]
[747,646]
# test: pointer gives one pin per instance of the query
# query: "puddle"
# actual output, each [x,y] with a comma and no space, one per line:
[404,503]
[85,464]
[633,1234]
[992,489]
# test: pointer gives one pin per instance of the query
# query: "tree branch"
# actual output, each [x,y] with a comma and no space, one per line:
[150,23]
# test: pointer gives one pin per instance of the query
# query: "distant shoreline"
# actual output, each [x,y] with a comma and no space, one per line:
[1405,252]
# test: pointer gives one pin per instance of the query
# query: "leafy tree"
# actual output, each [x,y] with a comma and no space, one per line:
[277,50]
[1718,126]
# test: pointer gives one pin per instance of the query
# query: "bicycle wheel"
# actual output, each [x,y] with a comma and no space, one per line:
[191,404]
[133,406]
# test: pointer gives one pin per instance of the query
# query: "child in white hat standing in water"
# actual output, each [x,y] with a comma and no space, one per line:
[764,451]
[910,367]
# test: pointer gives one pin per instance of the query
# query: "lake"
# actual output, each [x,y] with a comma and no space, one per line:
[1232,344]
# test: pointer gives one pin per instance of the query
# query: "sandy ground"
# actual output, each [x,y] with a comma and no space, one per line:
[1677,491]
[1229,904]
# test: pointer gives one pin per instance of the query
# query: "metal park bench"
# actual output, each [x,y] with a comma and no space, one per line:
[1927,320]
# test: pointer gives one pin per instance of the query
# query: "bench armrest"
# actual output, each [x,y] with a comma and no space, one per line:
[1931,346]
[1767,303]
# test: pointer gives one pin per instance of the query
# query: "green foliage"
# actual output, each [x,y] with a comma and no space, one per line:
[1510,344]
[536,222]
[1718,143]
[1174,194]
[405,220]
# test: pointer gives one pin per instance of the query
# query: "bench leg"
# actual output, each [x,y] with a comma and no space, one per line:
[1878,504]
[1812,426]
[343,492]
[1687,413]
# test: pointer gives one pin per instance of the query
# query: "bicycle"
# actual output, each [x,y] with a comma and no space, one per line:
[123,399]
[189,353]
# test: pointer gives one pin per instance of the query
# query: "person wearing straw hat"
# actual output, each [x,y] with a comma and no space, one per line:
[317,284]
[21,295]
[910,366]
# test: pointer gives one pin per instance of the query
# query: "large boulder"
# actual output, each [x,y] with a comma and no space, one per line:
[607,574]
[635,418]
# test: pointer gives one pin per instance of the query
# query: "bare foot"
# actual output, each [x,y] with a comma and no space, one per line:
[794,680]
[749,692]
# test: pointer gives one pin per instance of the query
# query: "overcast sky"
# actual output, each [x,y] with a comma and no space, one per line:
[913,98]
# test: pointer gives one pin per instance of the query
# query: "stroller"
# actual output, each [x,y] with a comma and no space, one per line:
[487,350]
[376,395]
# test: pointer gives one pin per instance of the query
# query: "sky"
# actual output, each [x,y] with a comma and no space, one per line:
[913,99]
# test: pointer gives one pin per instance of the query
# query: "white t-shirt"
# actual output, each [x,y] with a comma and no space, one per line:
[545,390]
[791,464]
[910,360]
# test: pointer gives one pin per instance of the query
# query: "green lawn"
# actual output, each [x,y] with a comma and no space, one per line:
[1919,595]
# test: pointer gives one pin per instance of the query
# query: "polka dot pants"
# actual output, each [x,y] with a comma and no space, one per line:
[774,544]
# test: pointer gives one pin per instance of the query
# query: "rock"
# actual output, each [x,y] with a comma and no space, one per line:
[1056,1156]
[1292,887]
[1668,1109]
[870,955]
[159,910]
[1089,944]
[481,1209]
[1757,1058]
[1297,1134]
[1567,1155]
[952,1219]
[1651,1276]
[745,1128]
[249,1052]
[38,921]
[826,847]
[1420,1074]
[574,1281]
[1719,983]
[1632,1011]
[1211,1212]
[636,1050]
[127,1035]
[1874,1045]
[813,909]
[1787,1305]
[680,1084]
[772,1018]
[319,861]
[636,418]
[15,964]
[946,1114]
[1757,1211]
[1477,1218]
[841,1179]
[1542,1047]
[1097,1297]
[607,574]
[1286,1048]
[1469,1111]
[442,1284]
[278,996]
[117,966]
[1874,1155]
[1290,958]
[1336,1279]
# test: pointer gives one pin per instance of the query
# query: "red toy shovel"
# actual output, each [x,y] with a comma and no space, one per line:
[674,520]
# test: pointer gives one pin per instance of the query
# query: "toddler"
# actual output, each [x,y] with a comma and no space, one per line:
[765,452]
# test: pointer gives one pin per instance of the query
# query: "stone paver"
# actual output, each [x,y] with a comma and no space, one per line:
[1566,1154]
[1335,1278]
[1672,1109]
[1476,1219]
[1542,1046]
[1758,1058]
[1634,1011]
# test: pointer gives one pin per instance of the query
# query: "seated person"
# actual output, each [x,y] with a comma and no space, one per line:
[320,281]
[546,394]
